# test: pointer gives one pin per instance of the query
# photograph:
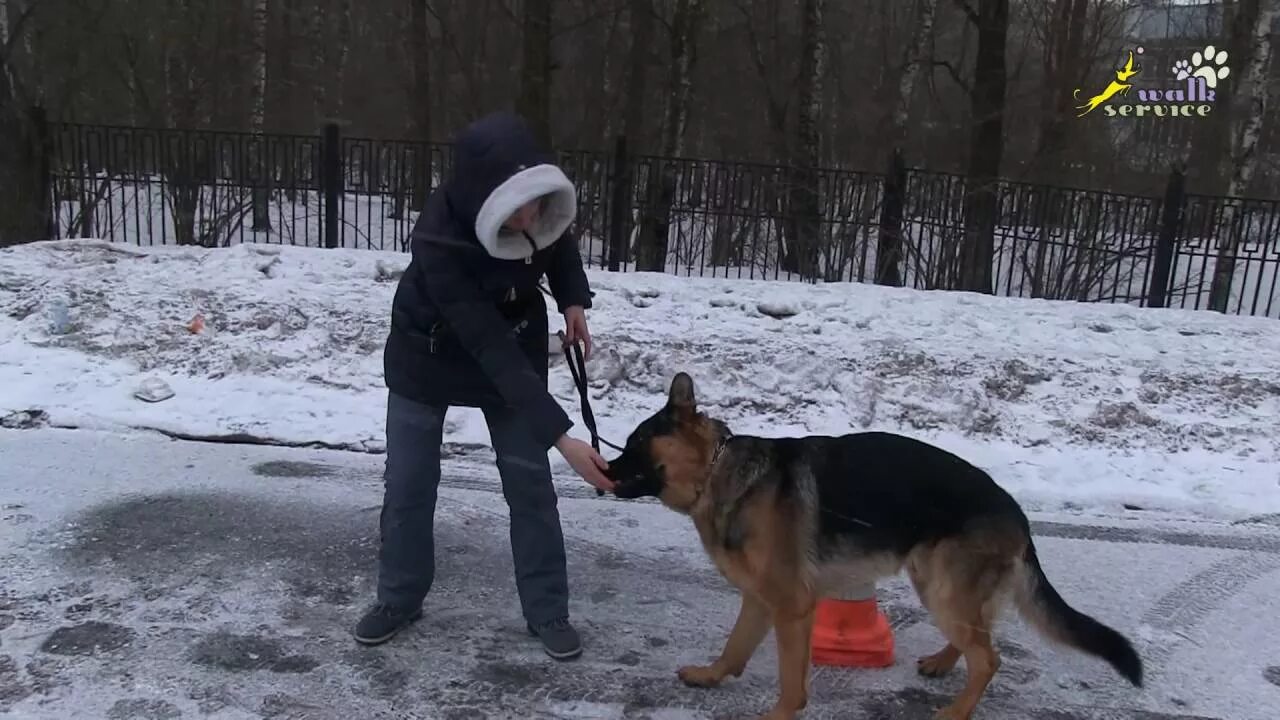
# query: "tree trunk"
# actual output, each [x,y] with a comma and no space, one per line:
[20,154]
[338,101]
[606,76]
[419,48]
[320,63]
[889,247]
[641,21]
[986,145]
[535,75]
[1253,93]
[687,25]
[801,255]
[5,68]
[921,40]
[655,229]
[641,15]
[287,97]
[1063,61]
[1063,57]
[257,118]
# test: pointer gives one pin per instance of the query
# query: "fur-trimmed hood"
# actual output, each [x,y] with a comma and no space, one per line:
[498,167]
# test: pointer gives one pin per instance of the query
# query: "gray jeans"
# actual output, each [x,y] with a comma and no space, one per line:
[406,559]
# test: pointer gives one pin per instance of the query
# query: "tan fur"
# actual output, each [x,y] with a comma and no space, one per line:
[769,571]
[963,584]
[758,513]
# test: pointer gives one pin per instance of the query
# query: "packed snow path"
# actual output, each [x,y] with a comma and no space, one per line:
[147,578]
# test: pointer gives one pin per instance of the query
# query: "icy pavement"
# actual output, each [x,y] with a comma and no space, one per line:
[146,578]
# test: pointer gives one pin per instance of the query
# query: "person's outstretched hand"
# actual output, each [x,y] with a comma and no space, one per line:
[585,461]
[575,328]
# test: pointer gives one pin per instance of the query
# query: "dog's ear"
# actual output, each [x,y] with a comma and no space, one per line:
[681,395]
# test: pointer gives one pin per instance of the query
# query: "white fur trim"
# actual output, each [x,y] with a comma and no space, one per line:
[528,184]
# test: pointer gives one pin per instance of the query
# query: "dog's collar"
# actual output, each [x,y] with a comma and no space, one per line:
[719,449]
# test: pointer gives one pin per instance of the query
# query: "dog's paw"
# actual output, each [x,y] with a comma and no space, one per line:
[936,665]
[951,712]
[703,676]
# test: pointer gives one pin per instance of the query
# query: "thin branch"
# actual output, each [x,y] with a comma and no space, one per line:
[511,14]
[969,12]
[605,11]
[16,29]
[955,74]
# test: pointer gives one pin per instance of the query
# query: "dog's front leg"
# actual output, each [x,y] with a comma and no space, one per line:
[794,634]
[747,634]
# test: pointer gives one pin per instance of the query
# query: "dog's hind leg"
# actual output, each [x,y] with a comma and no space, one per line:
[747,634]
[969,634]
[943,661]
[960,584]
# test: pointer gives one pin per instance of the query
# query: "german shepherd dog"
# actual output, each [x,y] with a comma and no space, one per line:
[786,519]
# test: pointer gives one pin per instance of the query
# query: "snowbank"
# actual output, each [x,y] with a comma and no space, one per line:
[1072,406]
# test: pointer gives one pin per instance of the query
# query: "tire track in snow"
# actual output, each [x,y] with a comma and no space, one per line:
[1183,609]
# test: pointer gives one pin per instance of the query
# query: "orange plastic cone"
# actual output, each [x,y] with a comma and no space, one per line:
[852,632]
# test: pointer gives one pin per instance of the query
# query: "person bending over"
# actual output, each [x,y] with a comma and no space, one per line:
[469,328]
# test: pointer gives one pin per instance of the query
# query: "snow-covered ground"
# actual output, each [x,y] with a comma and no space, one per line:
[1073,407]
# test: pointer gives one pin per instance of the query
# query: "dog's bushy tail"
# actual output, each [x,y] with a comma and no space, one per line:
[1045,609]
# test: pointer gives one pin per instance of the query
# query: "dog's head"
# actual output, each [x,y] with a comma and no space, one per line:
[668,456]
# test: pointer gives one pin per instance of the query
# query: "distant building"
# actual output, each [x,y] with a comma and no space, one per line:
[1172,31]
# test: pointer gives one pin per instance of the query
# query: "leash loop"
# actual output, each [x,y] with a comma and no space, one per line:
[578,368]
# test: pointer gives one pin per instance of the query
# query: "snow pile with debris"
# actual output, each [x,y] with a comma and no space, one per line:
[1072,406]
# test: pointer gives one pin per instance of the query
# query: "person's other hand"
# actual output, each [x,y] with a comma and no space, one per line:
[585,461]
[575,328]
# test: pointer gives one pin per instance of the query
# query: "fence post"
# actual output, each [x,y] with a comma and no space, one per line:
[1166,244]
[889,247]
[331,182]
[619,203]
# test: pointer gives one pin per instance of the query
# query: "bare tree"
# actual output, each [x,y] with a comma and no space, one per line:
[418,46]
[916,54]
[660,194]
[341,62]
[801,255]
[319,67]
[1254,93]
[986,145]
[258,116]
[4,46]
[535,73]
[648,255]
[1063,61]
[22,212]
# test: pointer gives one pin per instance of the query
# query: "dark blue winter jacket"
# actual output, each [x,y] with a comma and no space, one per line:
[468,323]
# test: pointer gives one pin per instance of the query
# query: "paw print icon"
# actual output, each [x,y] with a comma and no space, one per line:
[1210,64]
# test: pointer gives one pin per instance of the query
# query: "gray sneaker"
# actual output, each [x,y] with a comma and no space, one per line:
[559,639]
[382,622]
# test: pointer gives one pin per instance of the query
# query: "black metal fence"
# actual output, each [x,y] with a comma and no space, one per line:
[704,217]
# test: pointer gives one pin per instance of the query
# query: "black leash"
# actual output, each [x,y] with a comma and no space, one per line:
[578,368]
